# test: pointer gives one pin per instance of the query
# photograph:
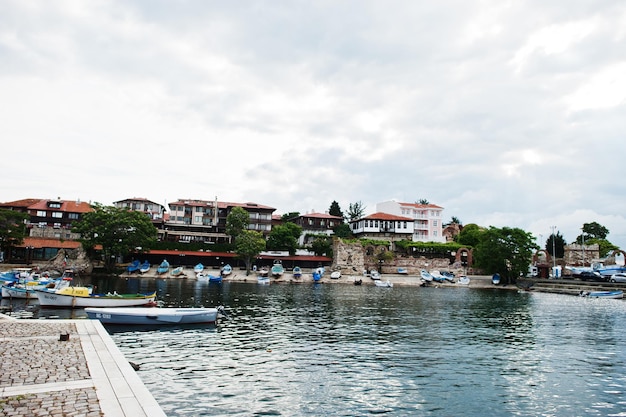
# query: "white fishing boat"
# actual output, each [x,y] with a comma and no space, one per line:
[154,315]
[426,276]
[603,294]
[277,268]
[79,297]
[335,275]
[263,280]
[227,270]
[463,280]
[385,284]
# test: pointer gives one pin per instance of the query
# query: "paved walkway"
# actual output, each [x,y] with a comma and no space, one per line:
[87,375]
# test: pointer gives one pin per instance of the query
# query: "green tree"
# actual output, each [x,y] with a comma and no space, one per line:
[592,230]
[356,210]
[507,251]
[322,246]
[604,246]
[119,231]
[343,231]
[248,245]
[335,210]
[422,201]
[559,245]
[290,216]
[12,229]
[284,237]
[237,221]
[470,235]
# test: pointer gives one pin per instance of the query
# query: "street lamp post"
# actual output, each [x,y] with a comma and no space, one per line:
[553,251]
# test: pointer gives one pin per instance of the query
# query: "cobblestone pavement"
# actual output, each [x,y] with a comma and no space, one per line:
[84,375]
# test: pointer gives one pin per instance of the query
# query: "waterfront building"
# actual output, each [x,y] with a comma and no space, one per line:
[49,227]
[204,221]
[315,224]
[427,219]
[383,226]
[153,210]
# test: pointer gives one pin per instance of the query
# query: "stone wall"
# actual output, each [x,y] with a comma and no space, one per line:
[354,258]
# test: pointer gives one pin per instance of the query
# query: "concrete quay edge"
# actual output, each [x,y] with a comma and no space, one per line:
[110,386]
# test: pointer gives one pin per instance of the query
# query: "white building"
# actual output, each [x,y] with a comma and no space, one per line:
[427,219]
[383,226]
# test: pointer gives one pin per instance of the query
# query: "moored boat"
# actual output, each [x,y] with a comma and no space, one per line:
[297,272]
[263,279]
[386,284]
[163,267]
[335,275]
[133,267]
[426,276]
[603,294]
[79,297]
[144,267]
[403,271]
[495,279]
[176,272]
[463,280]
[154,315]
[277,269]
[198,268]
[226,270]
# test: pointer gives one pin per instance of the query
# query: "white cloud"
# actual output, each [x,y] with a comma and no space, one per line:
[502,113]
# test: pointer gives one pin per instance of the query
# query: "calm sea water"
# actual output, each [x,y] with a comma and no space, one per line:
[342,350]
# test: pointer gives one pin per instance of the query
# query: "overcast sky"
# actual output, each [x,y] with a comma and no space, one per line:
[505,113]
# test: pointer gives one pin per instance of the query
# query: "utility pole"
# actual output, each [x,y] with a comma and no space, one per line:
[553,251]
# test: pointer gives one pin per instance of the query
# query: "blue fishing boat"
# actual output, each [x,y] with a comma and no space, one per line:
[297,272]
[226,270]
[144,267]
[495,279]
[133,267]
[163,267]
[317,276]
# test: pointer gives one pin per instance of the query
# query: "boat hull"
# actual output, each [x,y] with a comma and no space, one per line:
[153,315]
[15,292]
[604,294]
[52,299]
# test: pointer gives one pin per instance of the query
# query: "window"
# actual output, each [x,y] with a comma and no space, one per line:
[57,214]
[57,226]
[435,223]
[54,205]
[72,216]
[41,213]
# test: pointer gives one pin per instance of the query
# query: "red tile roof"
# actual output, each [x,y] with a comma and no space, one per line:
[386,216]
[27,202]
[38,243]
[66,205]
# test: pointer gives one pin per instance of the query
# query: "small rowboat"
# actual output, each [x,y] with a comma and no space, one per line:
[297,272]
[602,294]
[335,275]
[386,284]
[226,270]
[154,315]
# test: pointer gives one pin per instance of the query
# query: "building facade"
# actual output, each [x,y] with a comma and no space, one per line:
[314,224]
[383,226]
[427,219]
[203,221]
[154,210]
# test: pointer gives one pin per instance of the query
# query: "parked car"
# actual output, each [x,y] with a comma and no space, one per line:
[619,277]
[591,276]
